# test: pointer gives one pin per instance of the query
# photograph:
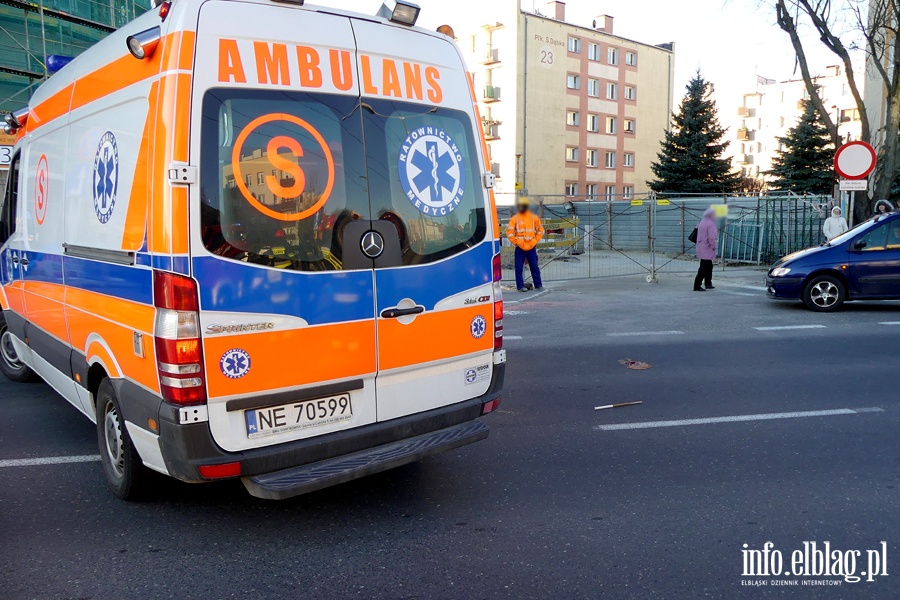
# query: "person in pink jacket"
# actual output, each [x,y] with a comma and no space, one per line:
[707,245]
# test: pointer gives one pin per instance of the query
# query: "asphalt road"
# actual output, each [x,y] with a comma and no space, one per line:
[555,504]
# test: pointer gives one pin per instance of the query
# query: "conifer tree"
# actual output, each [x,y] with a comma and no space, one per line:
[690,160]
[805,161]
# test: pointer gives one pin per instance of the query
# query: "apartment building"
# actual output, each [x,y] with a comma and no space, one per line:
[774,107]
[570,111]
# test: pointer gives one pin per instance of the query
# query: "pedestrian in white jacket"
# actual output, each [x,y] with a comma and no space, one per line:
[835,225]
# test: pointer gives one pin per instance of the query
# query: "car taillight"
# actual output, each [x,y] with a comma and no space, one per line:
[179,355]
[498,304]
[232,469]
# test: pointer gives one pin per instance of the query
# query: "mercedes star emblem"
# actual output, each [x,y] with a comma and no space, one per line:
[372,244]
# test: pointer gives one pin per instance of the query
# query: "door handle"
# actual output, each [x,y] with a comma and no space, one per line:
[24,262]
[393,313]
[15,259]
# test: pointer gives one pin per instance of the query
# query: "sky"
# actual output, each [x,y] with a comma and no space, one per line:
[730,41]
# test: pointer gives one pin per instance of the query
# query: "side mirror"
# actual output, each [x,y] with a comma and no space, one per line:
[860,244]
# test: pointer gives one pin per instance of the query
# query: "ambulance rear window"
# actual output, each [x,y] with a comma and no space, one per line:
[281,174]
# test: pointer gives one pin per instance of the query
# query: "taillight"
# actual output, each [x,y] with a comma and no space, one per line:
[179,355]
[490,406]
[232,469]
[498,303]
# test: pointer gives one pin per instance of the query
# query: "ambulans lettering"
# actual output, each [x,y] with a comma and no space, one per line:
[431,171]
[106,177]
[41,189]
[274,63]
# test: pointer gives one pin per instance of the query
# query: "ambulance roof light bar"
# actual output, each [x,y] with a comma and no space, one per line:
[143,44]
[400,11]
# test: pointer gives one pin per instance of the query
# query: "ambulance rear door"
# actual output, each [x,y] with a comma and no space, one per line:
[434,305]
[287,302]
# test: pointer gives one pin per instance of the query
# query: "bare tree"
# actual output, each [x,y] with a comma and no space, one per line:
[874,22]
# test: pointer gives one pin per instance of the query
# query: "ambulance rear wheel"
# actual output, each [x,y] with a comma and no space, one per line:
[122,465]
[10,363]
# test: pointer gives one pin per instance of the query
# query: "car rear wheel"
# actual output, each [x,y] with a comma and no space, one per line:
[10,363]
[824,293]
[122,465]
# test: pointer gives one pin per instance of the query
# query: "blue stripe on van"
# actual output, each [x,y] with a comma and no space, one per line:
[181,264]
[430,283]
[119,281]
[44,267]
[319,298]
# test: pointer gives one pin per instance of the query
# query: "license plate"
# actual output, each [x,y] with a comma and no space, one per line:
[297,415]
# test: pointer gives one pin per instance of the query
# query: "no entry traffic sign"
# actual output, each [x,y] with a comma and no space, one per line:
[854,160]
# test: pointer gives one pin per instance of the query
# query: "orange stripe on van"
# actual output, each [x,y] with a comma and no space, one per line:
[446,334]
[142,188]
[134,315]
[295,357]
[45,308]
[112,77]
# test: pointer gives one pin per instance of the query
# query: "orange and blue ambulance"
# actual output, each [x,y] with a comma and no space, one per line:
[257,239]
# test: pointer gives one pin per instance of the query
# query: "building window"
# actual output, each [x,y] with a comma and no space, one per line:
[630,92]
[629,125]
[593,123]
[590,191]
[612,91]
[260,178]
[248,179]
[610,160]
[574,45]
[572,154]
[628,192]
[573,82]
[593,87]
[591,158]
[610,193]
[573,118]
[631,59]
[571,189]
[594,51]
[612,125]
[612,56]
[628,159]
[262,198]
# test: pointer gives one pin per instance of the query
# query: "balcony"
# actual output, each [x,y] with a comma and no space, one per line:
[491,94]
[491,56]
[743,111]
[491,130]
[743,134]
[743,159]
[495,169]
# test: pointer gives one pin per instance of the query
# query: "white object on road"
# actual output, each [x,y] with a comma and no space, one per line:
[49,460]
[786,327]
[619,405]
[738,418]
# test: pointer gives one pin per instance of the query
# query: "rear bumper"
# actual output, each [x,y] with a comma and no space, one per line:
[185,448]
[784,288]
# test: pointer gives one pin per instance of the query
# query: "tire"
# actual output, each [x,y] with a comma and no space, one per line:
[125,472]
[824,293]
[10,364]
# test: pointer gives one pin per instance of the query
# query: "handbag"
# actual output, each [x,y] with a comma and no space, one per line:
[693,237]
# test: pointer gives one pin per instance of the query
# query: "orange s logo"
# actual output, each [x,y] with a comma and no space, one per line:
[286,165]
[281,162]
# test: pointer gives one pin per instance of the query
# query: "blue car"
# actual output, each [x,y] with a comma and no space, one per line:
[860,264]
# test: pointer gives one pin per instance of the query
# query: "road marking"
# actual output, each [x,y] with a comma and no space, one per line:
[512,337]
[49,460]
[784,327]
[514,313]
[738,419]
[631,333]
[740,293]
[759,288]
[890,323]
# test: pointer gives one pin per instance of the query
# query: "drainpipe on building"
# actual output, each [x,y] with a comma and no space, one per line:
[525,113]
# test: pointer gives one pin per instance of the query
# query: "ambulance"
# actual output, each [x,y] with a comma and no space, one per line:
[257,239]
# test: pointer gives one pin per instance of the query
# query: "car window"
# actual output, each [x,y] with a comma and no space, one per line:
[876,239]
[893,238]
[9,202]
[282,174]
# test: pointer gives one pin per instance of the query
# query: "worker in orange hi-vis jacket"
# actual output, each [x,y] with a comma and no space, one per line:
[525,232]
